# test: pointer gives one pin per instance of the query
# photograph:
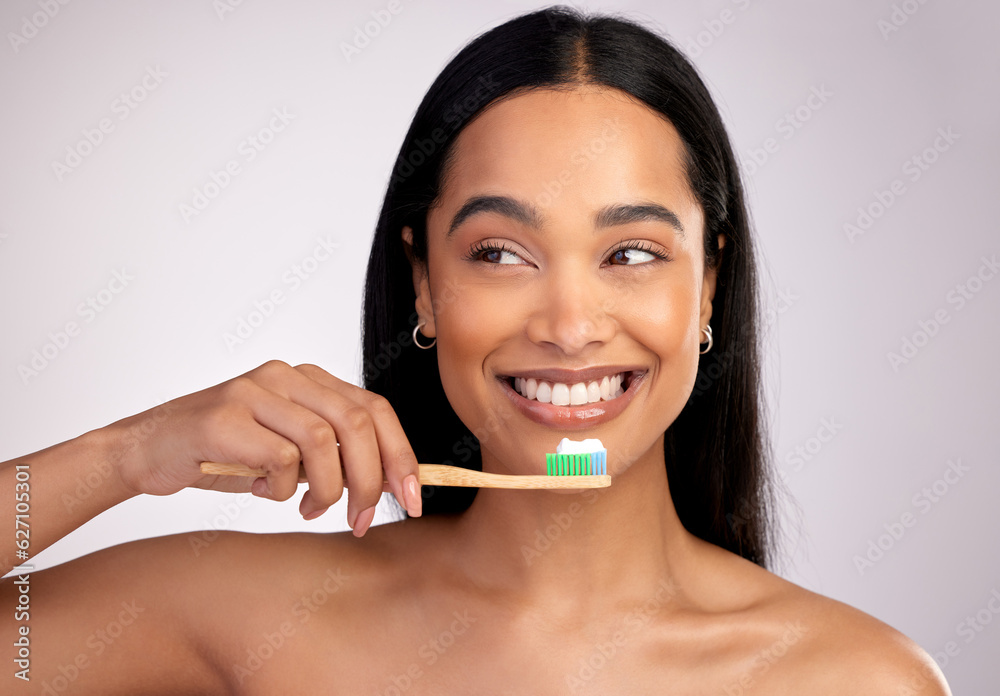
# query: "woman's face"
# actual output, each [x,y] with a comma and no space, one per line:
[565,277]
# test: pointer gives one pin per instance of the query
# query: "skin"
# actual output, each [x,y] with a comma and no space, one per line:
[528,591]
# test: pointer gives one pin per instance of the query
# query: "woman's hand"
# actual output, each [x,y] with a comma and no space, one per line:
[273,418]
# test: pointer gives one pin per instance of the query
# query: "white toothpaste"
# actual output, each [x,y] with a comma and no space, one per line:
[567,446]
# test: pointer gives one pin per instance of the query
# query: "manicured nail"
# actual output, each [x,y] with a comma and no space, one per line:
[315,513]
[411,492]
[363,521]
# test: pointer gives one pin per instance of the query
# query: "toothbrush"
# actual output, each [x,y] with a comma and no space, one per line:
[579,468]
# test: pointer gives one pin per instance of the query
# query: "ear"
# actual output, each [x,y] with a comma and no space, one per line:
[421,286]
[708,287]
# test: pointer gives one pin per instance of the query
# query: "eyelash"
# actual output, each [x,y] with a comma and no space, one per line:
[639,246]
[480,248]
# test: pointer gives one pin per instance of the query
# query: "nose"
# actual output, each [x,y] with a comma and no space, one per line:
[571,314]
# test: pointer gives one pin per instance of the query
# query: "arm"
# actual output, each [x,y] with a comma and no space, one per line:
[271,418]
[46,495]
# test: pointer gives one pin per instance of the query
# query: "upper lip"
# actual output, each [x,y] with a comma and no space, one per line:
[558,374]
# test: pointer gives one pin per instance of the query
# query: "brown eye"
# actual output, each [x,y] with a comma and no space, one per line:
[492,254]
[631,256]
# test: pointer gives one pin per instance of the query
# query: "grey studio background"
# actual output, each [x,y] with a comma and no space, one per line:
[868,134]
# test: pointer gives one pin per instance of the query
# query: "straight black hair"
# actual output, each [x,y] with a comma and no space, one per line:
[715,451]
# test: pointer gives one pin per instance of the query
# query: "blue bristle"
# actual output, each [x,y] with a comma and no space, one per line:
[601,462]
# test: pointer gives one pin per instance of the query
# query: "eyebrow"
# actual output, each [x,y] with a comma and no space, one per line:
[526,214]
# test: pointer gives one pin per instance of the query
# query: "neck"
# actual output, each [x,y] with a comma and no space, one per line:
[554,547]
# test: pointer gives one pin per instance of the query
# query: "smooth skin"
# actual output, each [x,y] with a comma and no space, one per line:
[528,591]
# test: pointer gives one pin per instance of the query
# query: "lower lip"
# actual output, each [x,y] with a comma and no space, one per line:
[573,417]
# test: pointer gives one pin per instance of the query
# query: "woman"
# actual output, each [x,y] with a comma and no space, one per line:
[565,217]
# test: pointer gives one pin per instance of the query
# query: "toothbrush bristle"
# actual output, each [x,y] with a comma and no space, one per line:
[589,464]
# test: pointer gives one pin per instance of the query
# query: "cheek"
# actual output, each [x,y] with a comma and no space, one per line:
[664,319]
[471,321]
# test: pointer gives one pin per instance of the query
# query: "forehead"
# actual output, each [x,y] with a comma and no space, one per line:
[569,147]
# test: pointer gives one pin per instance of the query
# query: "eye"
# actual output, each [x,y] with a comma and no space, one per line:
[634,254]
[493,253]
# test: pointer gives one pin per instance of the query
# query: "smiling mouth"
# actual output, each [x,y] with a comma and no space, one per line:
[608,388]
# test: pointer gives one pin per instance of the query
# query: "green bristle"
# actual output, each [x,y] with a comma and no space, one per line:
[569,464]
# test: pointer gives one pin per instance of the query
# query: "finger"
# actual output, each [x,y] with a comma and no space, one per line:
[395,453]
[314,439]
[251,444]
[351,425]
[359,452]
[398,460]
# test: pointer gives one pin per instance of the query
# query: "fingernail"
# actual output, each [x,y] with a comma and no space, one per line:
[259,488]
[364,521]
[411,491]
[315,513]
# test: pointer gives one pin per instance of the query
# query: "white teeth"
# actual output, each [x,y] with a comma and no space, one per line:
[560,394]
[578,394]
[593,393]
[544,393]
[531,389]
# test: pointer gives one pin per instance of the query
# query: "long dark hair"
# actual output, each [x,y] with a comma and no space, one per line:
[716,454]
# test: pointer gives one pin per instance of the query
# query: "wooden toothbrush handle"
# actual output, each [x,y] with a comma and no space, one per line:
[443,475]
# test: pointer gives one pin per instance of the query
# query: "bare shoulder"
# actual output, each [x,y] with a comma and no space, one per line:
[849,651]
[803,642]
[829,647]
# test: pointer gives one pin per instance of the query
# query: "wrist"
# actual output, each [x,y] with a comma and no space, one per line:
[105,455]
